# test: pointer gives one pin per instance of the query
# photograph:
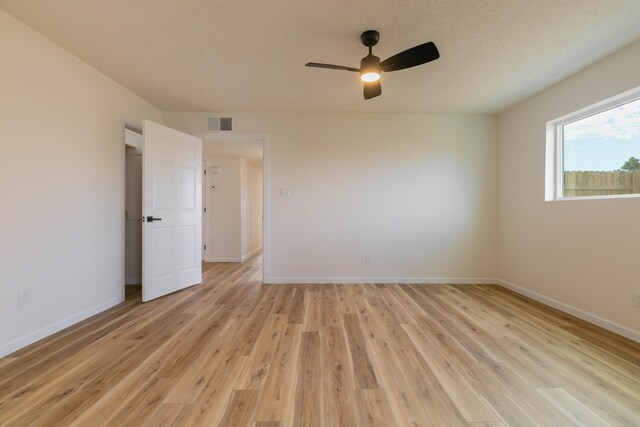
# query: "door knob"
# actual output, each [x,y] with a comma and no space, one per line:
[151,219]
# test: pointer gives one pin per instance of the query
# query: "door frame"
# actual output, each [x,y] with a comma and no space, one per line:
[264,138]
[203,176]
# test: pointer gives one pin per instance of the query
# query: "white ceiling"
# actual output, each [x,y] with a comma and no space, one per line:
[251,151]
[249,55]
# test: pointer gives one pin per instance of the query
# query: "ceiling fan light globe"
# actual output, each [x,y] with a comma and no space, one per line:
[370,68]
[370,76]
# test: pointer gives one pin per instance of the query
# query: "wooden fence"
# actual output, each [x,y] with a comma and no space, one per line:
[579,183]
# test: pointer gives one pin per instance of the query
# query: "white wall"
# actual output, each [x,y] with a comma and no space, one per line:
[415,192]
[582,254]
[251,194]
[223,209]
[61,185]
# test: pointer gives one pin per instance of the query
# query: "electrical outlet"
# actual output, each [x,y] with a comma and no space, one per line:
[23,297]
[636,299]
[367,259]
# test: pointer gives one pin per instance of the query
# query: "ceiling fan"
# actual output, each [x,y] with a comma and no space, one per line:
[371,68]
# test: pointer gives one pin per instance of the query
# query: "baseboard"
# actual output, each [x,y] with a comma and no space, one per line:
[41,333]
[132,280]
[224,259]
[233,259]
[574,311]
[247,255]
[415,280]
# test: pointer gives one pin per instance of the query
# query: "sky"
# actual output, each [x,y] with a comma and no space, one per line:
[604,141]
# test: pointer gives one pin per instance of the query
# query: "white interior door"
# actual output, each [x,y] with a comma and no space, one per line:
[172,209]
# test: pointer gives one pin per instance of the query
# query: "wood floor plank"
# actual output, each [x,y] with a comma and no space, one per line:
[212,402]
[193,382]
[233,351]
[373,408]
[434,400]
[401,393]
[312,311]
[283,302]
[339,385]
[271,424]
[309,397]
[296,314]
[572,408]
[260,359]
[278,390]
[329,309]
[240,409]
[364,374]
[168,414]
[118,396]
[465,398]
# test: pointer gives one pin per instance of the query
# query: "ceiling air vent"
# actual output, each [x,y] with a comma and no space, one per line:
[219,123]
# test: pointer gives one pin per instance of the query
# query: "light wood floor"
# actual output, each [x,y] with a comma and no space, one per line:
[234,352]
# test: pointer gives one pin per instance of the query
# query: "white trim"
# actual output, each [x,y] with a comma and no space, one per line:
[44,332]
[266,196]
[248,254]
[404,280]
[609,196]
[574,311]
[554,161]
[243,258]
[224,259]
[205,217]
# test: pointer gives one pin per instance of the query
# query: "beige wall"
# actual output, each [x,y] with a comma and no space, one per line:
[251,193]
[223,209]
[415,192]
[61,185]
[582,254]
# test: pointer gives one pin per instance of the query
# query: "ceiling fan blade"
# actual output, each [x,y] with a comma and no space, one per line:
[417,55]
[372,89]
[331,66]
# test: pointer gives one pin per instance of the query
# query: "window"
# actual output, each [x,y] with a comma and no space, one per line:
[595,152]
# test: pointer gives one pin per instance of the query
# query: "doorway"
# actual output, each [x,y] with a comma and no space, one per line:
[234,200]
[133,213]
[163,210]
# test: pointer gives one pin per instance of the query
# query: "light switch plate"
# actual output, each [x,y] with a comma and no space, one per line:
[285,192]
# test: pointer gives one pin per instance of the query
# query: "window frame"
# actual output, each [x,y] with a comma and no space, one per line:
[554,154]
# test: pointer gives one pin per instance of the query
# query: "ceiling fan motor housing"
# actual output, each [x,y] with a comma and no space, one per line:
[370,62]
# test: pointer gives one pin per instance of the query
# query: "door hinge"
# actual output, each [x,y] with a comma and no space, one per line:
[205,171]
[205,247]
[205,209]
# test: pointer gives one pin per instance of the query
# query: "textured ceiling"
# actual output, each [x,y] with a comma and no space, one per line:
[249,55]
